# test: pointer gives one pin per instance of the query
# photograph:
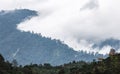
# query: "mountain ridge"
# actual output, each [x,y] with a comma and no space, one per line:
[33,48]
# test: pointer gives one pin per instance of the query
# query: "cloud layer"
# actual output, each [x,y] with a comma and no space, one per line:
[79,23]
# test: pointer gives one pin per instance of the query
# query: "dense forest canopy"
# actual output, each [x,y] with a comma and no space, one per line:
[109,65]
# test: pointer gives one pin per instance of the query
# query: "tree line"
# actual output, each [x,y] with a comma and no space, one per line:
[110,65]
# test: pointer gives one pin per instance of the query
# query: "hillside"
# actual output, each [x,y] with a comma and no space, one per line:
[28,48]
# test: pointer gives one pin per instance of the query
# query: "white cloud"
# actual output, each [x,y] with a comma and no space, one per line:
[64,20]
[105,50]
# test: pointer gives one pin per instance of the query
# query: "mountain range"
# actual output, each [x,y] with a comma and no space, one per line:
[27,47]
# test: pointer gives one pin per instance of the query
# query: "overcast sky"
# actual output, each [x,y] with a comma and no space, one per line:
[79,23]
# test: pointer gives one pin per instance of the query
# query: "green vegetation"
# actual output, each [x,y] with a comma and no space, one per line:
[110,65]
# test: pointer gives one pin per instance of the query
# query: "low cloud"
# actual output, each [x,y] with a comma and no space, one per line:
[90,5]
[64,20]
